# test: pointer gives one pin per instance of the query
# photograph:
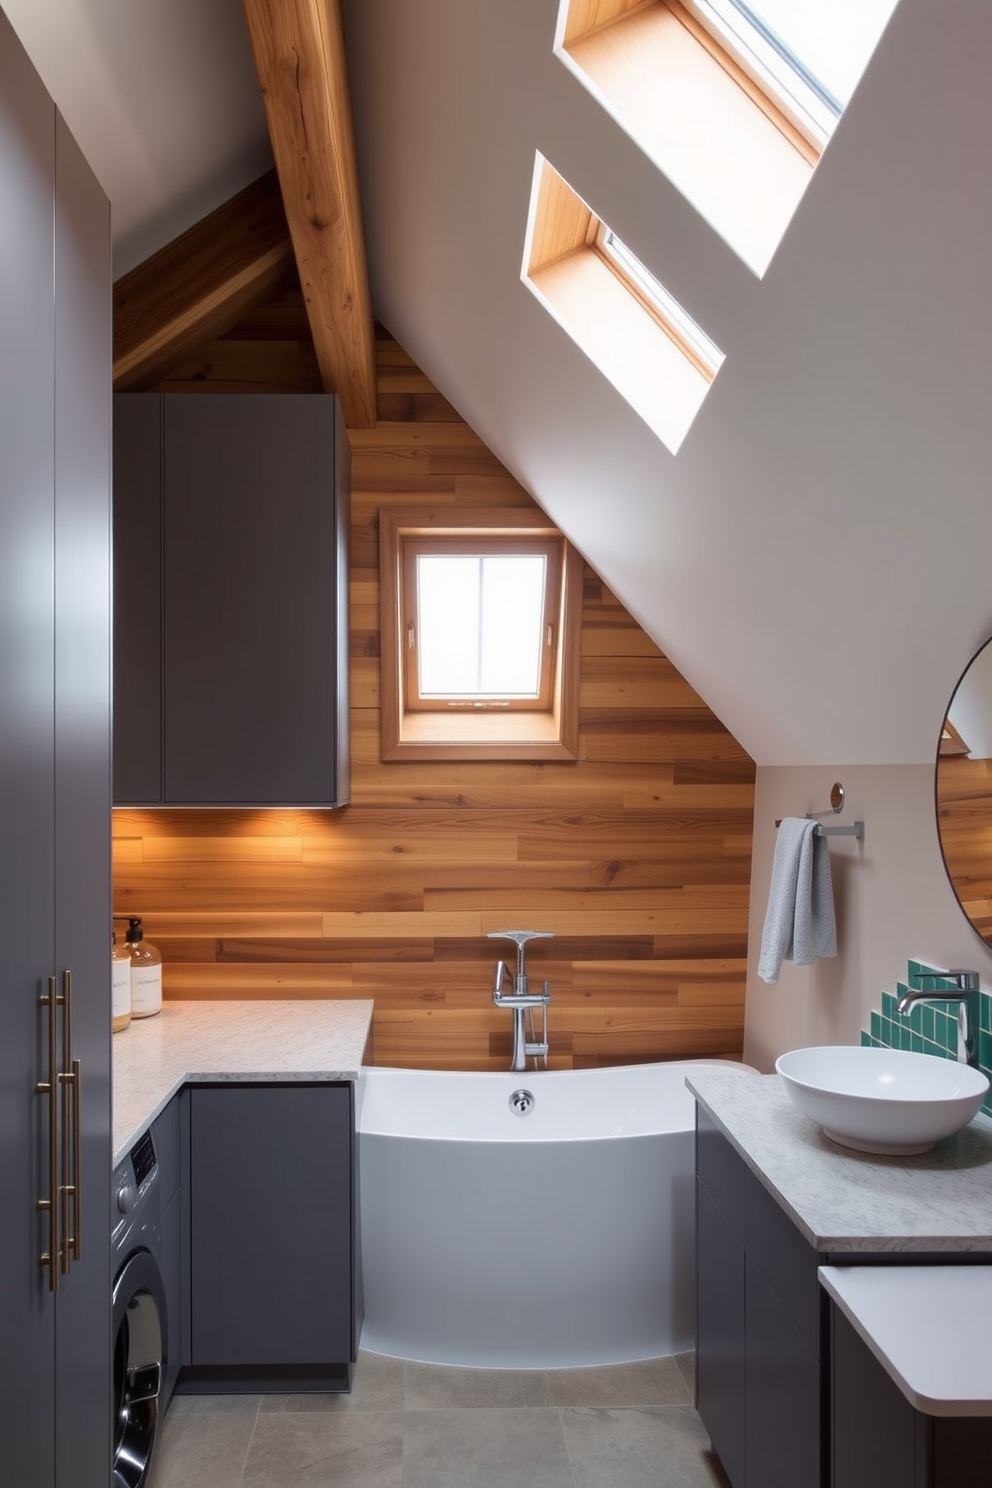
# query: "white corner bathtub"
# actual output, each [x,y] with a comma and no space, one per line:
[560,1238]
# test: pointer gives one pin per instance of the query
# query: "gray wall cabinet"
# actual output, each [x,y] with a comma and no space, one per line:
[760,1366]
[231,517]
[273,1247]
[55,902]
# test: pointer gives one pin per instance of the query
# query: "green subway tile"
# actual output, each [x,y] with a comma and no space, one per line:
[985,1012]
[985,1049]
[916,1044]
[865,1039]
[875,1025]
[888,1005]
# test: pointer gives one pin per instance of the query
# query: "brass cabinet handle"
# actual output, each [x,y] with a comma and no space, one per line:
[50,1087]
[69,1187]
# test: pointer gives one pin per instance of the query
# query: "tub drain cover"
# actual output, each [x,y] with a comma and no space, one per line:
[521,1102]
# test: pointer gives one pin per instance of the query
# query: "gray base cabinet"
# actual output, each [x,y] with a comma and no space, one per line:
[55,903]
[273,1244]
[231,518]
[880,1441]
[760,1367]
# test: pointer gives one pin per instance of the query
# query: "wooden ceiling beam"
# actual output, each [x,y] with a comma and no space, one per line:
[200,285]
[302,71]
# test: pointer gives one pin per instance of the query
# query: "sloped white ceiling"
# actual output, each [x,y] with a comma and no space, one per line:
[162,98]
[816,558]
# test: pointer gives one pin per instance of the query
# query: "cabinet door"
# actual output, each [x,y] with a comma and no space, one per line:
[82,791]
[137,599]
[874,1428]
[271,1257]
[720,1334]
[785,1395]
[27,935]
[250,600]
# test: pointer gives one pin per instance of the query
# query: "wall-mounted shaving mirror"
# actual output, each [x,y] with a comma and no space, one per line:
[964,792]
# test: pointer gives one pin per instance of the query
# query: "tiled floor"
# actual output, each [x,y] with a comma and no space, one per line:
[408,1425]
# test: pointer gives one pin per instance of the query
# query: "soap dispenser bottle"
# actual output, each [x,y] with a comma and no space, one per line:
[120,984]
[146,972]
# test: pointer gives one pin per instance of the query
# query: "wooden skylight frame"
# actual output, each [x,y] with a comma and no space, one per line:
[547,730]
[723,140]
[647,345]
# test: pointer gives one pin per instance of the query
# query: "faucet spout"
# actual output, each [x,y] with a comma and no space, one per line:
[966,993]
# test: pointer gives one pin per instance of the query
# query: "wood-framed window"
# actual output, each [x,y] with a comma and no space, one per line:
[481,614]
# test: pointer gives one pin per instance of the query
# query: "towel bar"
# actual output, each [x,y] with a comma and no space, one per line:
[857,829]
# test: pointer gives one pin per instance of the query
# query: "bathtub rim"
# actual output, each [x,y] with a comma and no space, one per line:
[511,1078]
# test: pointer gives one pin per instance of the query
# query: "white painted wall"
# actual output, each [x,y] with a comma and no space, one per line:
[162,98]
[892,899]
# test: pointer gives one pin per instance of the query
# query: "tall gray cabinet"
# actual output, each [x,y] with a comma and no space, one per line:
[55,903]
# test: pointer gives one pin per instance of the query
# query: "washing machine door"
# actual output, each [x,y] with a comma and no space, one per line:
[140,1344]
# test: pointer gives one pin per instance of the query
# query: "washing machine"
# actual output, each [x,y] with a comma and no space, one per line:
[140,1313]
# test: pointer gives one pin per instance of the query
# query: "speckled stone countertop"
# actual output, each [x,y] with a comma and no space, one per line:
[200,1042]
[843,1200]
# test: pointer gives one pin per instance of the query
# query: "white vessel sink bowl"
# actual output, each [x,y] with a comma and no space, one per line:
[882,1100]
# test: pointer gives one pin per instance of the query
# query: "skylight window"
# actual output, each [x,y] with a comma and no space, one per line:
[733,101]
[624,319]
[808,57]
[674,320]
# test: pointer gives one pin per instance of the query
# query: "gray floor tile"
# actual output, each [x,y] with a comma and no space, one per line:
[687,1369]
[202,1451]
[360,1450]
[647,1382]
[659,1447]
[377,1385]
[213,1405]
[436,1386]
[484,1449]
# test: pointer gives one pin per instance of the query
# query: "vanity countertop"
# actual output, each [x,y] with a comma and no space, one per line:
[928,1328]
[205,1042]
[846,1201]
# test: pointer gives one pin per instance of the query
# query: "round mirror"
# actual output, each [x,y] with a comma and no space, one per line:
[964,792]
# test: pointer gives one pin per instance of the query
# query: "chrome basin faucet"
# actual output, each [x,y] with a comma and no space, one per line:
[966,995]
[521,1000]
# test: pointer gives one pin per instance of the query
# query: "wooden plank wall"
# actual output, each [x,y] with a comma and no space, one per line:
[637,856]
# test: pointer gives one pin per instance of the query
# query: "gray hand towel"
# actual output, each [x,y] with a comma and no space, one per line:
[799,923]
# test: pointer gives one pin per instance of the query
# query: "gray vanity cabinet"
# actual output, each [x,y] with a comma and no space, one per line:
[274,1300]
[231,517]
[761,1387]
[880,1441]
[55,318]
[170,1136]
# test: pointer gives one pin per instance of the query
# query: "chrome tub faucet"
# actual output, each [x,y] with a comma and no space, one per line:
[966,994]
[521,1001]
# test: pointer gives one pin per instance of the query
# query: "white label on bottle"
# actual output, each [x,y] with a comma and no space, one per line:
[146,990]
[120,988]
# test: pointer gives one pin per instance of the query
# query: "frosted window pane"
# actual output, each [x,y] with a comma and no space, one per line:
[480,624]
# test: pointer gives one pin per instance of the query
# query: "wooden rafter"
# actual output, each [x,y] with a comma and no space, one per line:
[300,60]
[200,284]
